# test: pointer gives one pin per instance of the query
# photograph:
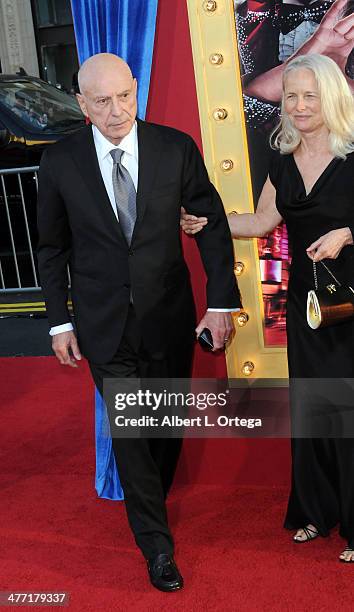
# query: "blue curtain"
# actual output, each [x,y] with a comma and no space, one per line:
[123,27]
[107,481]
[126,28]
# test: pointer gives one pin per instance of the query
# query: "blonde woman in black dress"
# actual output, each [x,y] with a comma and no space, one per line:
[311,187]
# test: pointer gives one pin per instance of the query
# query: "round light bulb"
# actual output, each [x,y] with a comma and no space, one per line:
[216,59]
[210,6]
[220,114]
[242,318]
[248,368]
[226,165]
[239,268]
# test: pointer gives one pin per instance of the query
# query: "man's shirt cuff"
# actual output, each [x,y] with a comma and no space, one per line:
[223,309]
[66,327]
[59,329]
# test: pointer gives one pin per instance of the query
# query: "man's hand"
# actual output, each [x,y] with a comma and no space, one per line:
[330,245]
[66,348]
[221,326]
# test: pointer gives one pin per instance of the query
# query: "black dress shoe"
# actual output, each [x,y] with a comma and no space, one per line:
[164,574]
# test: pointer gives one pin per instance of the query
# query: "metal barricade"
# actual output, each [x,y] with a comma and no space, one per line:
[18,230]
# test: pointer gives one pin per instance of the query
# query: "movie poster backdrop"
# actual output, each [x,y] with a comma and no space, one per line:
[268,34]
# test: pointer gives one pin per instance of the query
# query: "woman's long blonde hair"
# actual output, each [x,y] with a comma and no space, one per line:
[337,104]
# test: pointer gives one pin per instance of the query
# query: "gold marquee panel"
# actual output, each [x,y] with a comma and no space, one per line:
[218,80]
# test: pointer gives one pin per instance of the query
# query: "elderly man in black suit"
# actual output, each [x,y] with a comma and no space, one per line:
[109,206]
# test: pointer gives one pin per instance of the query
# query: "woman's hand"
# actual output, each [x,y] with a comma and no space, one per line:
[330,245]
[191,224]
[334,37]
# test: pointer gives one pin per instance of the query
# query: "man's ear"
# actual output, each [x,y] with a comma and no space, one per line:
[81,100]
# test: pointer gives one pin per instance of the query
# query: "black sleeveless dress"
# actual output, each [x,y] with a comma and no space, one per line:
[321,362]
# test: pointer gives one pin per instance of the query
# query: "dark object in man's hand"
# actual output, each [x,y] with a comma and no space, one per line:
[205,339]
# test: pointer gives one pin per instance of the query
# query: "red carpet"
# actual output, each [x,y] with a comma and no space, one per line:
[56,534]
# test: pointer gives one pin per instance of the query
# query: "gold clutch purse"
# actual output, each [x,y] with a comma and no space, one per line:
[330,305]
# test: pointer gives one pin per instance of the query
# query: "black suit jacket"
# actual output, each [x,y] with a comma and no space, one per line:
[77,226]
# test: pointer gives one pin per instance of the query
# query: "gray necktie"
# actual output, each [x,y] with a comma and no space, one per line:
[124,194]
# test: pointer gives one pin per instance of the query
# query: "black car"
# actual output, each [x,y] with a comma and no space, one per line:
[33,115]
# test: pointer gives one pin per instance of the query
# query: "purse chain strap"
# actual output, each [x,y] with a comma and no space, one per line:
[329,272]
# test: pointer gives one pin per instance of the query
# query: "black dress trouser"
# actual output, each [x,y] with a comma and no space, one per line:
[146,466]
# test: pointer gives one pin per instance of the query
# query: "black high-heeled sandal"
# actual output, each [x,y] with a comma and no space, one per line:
[310,534]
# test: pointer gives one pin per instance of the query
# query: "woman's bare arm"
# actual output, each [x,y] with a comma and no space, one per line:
[247,225]
[260,223]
